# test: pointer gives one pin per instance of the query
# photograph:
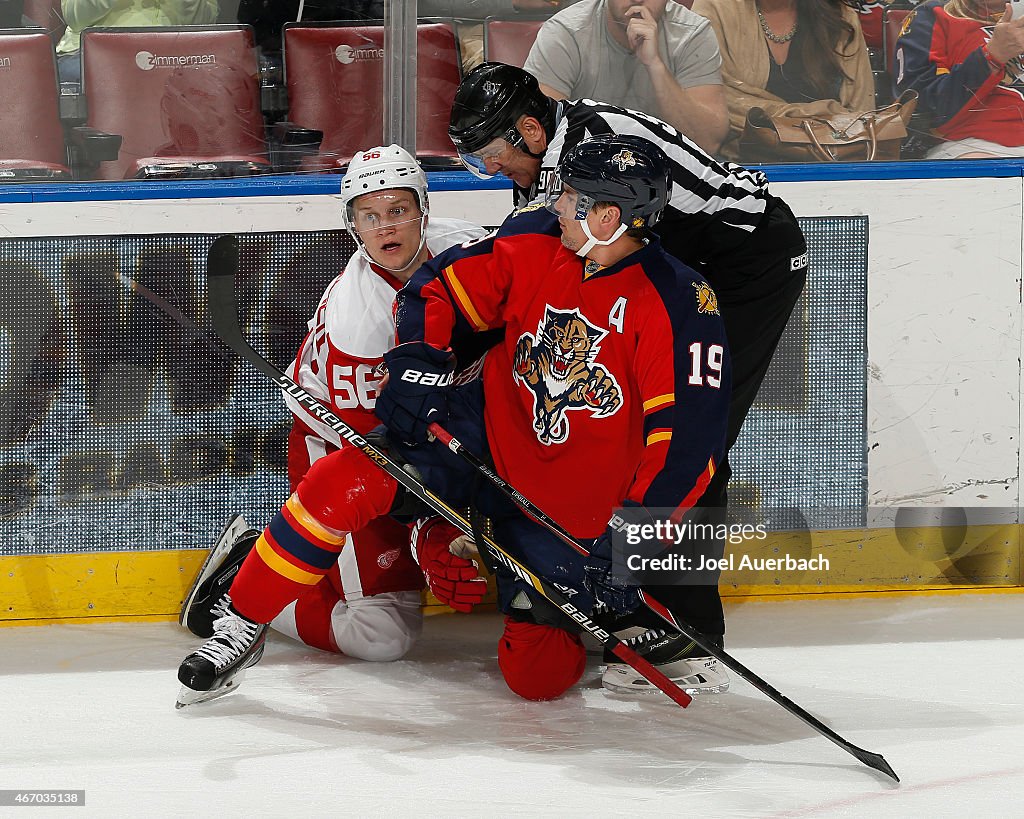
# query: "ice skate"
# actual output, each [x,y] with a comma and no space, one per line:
[677,657]
[204,602]
[216,668]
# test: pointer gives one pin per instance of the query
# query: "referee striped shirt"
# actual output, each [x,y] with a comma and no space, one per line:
[715,203]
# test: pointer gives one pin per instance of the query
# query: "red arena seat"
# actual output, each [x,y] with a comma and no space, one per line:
[509,40]
[32,142]
[893,24]
[335,79]
[186,100]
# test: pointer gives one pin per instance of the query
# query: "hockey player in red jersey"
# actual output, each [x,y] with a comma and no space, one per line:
[610,389]
[367,605]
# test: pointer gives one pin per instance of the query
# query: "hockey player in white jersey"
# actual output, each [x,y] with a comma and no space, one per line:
[367,605]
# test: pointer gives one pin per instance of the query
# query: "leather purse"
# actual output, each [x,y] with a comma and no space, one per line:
[838,137]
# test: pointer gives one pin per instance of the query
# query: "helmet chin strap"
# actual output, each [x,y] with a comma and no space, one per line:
[592,240]
[415,256]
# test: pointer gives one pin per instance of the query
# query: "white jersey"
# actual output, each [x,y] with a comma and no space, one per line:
[351,330]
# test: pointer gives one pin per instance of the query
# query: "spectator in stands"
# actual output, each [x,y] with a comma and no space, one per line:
[81,14]
[966,60]
[649,55]
[789,56]
[471,35]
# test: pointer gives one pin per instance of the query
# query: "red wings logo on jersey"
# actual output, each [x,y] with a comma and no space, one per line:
[557,365]
[387,559]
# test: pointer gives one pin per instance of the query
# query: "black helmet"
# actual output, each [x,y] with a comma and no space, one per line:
[489,102]
[627,170]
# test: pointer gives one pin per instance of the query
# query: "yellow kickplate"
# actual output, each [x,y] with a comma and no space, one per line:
[152,585]
[97,584]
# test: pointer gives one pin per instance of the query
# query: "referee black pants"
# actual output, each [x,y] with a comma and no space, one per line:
[757,283]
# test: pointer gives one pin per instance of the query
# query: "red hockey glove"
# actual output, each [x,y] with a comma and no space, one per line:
[454,580]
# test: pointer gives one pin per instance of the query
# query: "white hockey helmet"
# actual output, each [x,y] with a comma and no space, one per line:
[380,169]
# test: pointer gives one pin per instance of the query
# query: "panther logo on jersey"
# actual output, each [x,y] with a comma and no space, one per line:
[532,206]
[557,365]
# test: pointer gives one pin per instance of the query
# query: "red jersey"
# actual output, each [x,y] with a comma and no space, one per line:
[941,57]
[610,383]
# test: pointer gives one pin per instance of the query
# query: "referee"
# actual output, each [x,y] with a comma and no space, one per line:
[721,221]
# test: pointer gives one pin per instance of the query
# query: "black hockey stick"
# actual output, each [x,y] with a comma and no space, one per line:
[222,265]
[869,758]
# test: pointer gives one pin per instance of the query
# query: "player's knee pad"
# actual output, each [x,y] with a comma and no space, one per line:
[539,662]
[380,628]
[344,490]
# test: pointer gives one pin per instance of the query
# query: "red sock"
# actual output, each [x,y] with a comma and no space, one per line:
[540,662]
[292,555]
[339,494]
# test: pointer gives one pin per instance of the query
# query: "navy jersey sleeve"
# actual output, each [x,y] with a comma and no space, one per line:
[684,375]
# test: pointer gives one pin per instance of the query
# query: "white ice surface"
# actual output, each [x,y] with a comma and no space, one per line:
[932,683]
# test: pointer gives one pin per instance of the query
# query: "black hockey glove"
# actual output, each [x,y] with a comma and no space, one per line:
[597,577]
[415,395]
[614,589]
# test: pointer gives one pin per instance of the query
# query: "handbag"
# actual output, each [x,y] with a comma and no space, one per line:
[832,137]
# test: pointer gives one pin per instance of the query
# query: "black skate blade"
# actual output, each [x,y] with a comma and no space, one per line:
[232,530]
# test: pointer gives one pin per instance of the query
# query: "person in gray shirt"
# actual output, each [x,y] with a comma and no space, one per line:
[471,33]
[653,56]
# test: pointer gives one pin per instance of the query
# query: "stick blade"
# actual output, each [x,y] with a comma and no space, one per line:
[221,269]
[873,760]
[222,257]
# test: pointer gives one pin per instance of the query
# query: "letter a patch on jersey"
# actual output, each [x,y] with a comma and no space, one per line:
[557,366]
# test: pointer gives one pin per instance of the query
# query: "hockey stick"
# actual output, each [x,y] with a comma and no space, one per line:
[222,264]
[869,758]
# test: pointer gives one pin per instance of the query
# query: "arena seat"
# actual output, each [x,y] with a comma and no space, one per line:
[509,40]
[335,79]
[185,99]
[48,14]
[892,25]
[32,143]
